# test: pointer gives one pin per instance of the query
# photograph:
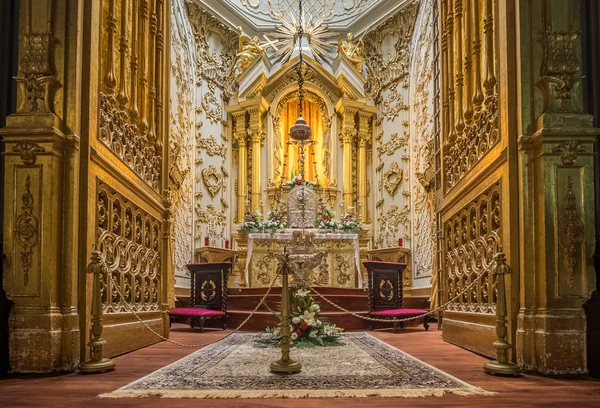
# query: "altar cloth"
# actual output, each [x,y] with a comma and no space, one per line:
[281,237]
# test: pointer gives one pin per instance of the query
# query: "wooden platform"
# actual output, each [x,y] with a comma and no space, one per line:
[79,390]
[240,304]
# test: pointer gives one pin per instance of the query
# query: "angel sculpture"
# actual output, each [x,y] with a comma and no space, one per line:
[354,51]
[248,50]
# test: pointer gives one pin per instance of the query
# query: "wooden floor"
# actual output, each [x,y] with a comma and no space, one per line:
[77,390]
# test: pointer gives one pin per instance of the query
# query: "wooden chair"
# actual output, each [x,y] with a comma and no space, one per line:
[385,293]
[208,294]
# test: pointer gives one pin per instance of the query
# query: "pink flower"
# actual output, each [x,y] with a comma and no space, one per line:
[347,217]
[298,181]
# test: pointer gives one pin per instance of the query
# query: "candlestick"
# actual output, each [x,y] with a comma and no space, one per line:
[205,241]
[226,244]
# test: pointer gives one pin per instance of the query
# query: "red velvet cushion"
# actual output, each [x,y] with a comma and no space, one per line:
[400,312]
[192,311]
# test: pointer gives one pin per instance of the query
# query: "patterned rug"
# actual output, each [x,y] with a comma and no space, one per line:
[236,368]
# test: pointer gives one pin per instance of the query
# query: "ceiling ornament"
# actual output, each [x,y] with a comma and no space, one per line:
[325,9]
[316,34]
[392,178]
[212,179]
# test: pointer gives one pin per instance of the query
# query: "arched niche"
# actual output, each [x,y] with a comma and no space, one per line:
[318,156]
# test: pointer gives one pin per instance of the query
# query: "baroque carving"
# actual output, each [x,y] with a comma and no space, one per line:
[384,71]
[393,104]
[571,232]
[210,214]
[471,239]
[130,240]
[392,145]
[560,64]
[470,117]
[213,180]
[392,178]
[37,82]
[28,151]
[212,147]
[568,152]
[27,230]
[355,51]
[123,136]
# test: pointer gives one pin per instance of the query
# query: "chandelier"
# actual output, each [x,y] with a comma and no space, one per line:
[300,131]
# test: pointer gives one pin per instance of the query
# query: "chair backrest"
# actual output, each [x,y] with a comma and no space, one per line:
[209,285]
[385,285]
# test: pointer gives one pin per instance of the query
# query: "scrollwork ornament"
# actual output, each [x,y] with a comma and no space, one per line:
[568,152]
[212,179]
[572,232]
[28,151]
[27,230]
[392,178]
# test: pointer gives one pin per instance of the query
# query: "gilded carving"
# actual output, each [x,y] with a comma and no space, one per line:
[393,104]
[392,178]
[471,239]
[385,71]
[27,230]
[568,152]
[130,240]
[571,232]
[355,51]
[37,81]
[560,64]
[392,145]
[28,151]
[210,214]
[211,106]
[212,147]
[213,180]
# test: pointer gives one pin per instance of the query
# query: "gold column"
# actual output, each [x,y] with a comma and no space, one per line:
[364,139]
[240,137]
[347,136]
[256,135]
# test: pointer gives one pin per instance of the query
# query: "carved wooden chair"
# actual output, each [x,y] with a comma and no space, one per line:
[208,294]
[385,293]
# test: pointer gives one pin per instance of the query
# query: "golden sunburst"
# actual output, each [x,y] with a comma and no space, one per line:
[316,34]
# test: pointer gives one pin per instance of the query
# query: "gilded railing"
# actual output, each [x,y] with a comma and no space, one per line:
[471,238]
[469,86]
[131,95]
[129,239]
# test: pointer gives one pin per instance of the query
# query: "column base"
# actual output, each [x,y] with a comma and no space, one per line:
[552,343]
[44,343]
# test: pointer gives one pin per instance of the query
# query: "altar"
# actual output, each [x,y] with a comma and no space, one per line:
[340,268]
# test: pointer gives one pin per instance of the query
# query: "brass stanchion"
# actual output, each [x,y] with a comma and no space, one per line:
[97,363]
[501,366]
[285,365]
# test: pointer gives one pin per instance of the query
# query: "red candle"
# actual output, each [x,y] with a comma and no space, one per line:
[226,244]
[399,242]
[205,241]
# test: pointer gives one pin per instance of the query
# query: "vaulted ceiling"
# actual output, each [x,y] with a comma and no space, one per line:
[256,16]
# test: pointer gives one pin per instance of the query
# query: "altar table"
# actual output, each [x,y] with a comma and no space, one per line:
[341,267]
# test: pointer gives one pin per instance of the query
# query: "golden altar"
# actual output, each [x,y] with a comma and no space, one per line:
[341,268]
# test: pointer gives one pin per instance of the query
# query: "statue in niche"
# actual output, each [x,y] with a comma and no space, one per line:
[248,50]
[302,207]
[354,51]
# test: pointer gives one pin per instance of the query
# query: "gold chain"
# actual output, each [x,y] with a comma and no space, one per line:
[116,286]
[408,319]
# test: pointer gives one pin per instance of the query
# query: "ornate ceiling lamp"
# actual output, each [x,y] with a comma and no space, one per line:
[300,131]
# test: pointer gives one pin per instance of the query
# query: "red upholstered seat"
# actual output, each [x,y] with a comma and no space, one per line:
[400,312]
[192,312]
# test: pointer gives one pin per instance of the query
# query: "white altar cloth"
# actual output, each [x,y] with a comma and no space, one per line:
[287,236]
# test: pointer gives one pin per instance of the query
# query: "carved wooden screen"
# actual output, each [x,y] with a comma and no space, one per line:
[126,172]
[476,211]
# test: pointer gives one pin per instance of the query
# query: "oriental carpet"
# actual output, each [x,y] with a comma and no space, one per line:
[236,367]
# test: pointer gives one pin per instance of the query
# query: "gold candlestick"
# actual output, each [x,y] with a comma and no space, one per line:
[285,365]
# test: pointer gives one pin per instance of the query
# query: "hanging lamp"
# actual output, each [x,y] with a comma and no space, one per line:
[300,131]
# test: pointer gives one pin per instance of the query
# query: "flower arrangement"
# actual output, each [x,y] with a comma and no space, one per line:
[326,220]
[275,220]
[252,221]
[297,180]
[349,223]
[307,327]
